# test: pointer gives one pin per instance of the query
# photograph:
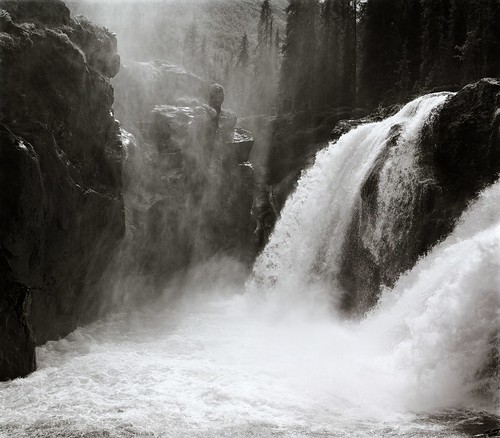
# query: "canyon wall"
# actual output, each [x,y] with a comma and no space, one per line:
[61,206]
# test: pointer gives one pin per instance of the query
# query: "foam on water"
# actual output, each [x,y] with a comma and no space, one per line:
[229,366]
[225,361]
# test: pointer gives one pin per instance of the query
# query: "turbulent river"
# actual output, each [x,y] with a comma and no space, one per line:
[274,358]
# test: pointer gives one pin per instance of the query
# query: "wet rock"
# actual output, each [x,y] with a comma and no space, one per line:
[61,207]
[98,44]
[17,353]
[458,155]
[344,126]
[464,141]
[489,433]
[195,190]
[196,197]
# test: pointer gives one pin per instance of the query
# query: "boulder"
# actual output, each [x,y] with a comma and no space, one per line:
[190,129]
[216,97]
[239,146]
[227,121]
[61,206]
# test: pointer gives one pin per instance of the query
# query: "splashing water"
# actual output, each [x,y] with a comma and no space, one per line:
[227,363]
[315,218]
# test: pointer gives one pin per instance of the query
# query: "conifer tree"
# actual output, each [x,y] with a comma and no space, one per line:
[457,36]
[348,24]
[243,57]
[331,48]
[264,74]
[190,45]
[298,78]
[435,21]
[480,51]
[381,51]
[241,80]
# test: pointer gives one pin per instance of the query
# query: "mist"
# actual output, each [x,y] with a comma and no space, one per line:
[250,218]
[203,36]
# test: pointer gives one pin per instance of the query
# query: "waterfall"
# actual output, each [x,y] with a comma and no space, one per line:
[221,361]
[439,326]
[308,238]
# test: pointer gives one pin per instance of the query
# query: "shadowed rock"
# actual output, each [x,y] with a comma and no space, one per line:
[61,208]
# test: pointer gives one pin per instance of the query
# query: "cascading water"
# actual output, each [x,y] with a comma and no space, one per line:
[440,324]
[422,363]
[309,236]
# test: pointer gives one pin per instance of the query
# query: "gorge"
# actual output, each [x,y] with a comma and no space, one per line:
[163,273]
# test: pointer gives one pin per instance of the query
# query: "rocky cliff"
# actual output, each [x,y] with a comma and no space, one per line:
[61,208]
[191,188]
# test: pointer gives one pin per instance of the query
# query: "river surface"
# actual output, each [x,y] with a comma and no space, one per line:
[217,369]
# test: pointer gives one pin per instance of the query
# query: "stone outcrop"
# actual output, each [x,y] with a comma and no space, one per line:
[194,186]
[192,193]
[61,208]
[140,86]
[458,155]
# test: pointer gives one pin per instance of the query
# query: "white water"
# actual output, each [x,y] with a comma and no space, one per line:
[225,362]
[313,224]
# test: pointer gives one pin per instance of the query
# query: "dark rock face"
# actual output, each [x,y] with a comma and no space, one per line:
[98,44]
[61,208]
[50,13]
[458,155]
[194,197]
[17,354]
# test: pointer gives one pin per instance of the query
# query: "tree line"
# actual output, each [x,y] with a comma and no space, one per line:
[337,53]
